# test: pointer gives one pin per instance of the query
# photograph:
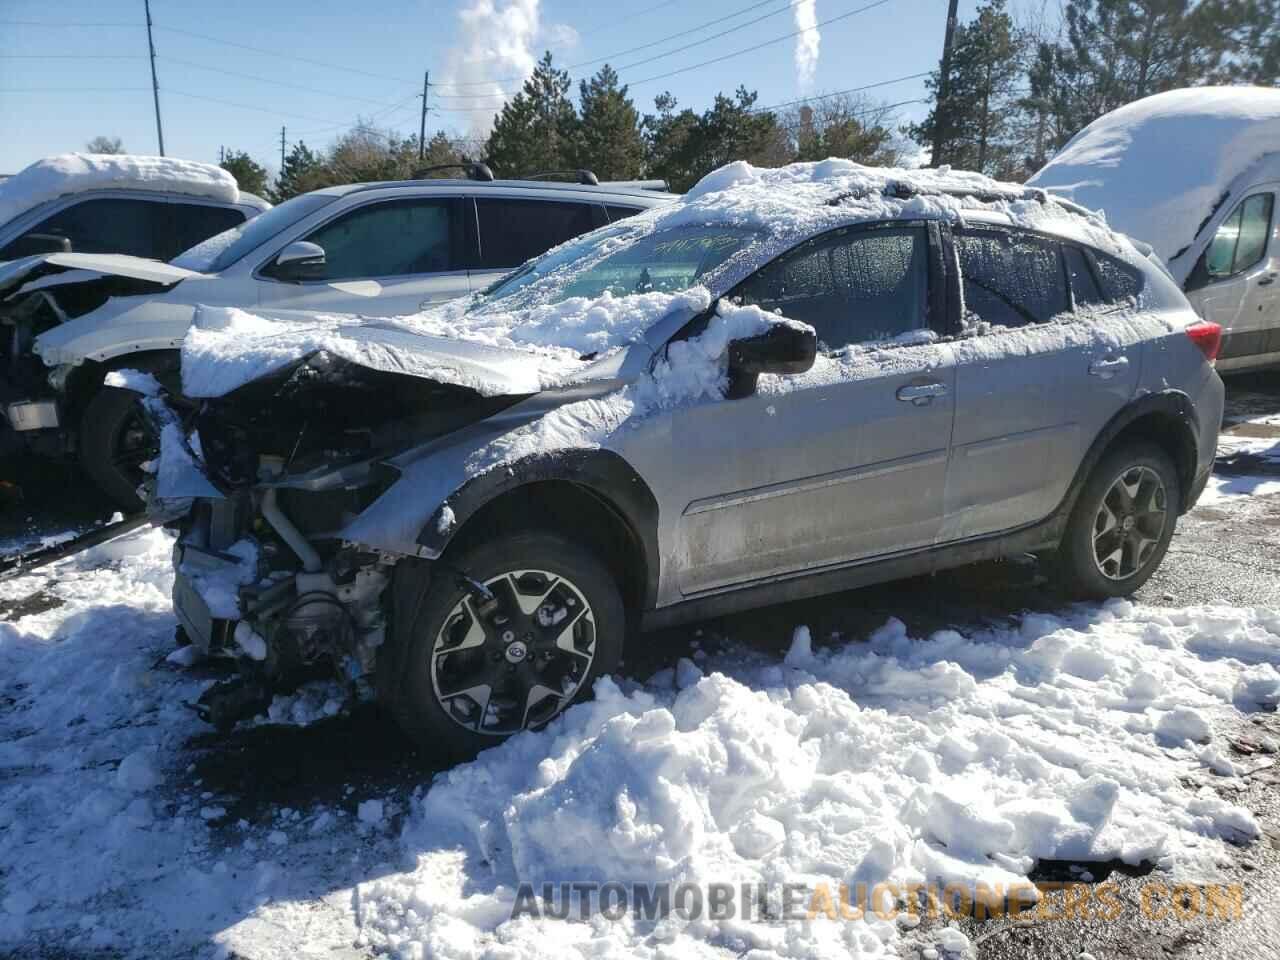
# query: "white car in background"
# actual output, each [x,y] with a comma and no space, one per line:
[375,249]
[1196,174]
[152,207]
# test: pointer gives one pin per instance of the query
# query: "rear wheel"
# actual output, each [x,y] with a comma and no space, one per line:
[116,439]
[536,620]
[1122,523]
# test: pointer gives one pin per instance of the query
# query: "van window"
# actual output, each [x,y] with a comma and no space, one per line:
[1241,240]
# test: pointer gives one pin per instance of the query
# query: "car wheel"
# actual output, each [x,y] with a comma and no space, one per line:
[505,638]
[116,439]
[1122,523]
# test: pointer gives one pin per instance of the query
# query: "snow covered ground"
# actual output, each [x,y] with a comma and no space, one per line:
[956,756]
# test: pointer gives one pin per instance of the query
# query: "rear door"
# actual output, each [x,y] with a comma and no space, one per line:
[845,462]
[193,223]
[1035,384]
[386,257]
[1236,281]
[512,230]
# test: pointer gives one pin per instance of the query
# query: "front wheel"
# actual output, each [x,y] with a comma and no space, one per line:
[1122,523]
[505,638]
[116,440]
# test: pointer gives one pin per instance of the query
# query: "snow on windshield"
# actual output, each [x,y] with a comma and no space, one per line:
[76,172]
[202,256]
[1158,167]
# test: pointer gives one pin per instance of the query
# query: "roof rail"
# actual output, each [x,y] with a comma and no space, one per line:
[901,190]
[659,185]
[582,176]
[475,170]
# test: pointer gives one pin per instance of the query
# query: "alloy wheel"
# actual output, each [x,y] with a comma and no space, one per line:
[514,655]
[1129,523]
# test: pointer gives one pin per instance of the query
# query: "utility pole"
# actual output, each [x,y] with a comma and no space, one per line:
[282,149]
[155,84]
[942,109]
[422,127]
[222,155]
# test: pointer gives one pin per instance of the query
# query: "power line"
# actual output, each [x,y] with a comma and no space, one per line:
[277,83]
[245,106]
[72,56]
[841,93]
[758,46]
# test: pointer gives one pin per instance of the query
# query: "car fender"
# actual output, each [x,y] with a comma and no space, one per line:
[120,326]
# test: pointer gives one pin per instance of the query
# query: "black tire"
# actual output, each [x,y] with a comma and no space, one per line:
[1078,567]
[115,438]
[419,649]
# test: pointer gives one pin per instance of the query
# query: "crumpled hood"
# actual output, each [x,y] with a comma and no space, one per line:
[228,348]
[15,273]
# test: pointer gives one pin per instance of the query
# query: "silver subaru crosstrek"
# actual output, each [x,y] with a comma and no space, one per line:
[789,382]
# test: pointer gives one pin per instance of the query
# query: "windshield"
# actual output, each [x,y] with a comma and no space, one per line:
[621,261]
[224,249]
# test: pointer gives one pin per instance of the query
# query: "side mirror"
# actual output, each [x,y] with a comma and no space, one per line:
[780,349]
[300,261]
[37,243]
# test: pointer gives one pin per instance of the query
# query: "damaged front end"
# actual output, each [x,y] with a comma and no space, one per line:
[260,485]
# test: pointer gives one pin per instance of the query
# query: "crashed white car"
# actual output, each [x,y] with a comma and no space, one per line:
[787,383]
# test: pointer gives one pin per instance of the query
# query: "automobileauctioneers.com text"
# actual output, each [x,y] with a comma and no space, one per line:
[782,903]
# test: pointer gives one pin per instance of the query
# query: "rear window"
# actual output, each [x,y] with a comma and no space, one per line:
[1084,285]
[513,231]
[1011,279]
[1119,281]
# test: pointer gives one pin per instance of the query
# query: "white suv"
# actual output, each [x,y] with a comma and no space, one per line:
[377,249]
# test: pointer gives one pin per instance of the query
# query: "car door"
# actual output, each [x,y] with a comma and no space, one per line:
[1236,281]
[1034,383]
[843,463]
[193,223]
[515,229]
[386,257]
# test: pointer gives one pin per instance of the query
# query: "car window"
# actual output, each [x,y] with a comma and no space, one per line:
[191,223]
[851,287]
[1084,286]
[513,231]
[109,225]
[1010,279]
[1120,282]
[389,239]
[617,213]
[253,233]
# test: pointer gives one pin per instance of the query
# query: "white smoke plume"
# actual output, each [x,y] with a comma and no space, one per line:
[494,54]
[808,42]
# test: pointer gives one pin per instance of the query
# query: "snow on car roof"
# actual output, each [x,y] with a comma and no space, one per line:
[67,173]
[1158,167]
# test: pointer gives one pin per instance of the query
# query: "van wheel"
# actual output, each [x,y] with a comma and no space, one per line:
[116,439]
[476,666]
[1121,525]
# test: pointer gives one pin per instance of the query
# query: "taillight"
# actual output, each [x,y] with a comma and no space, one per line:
[1206,335]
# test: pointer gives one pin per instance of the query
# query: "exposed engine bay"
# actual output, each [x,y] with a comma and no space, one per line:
[263,575]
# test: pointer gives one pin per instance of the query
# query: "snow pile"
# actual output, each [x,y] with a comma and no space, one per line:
[951,757]
[67,173]
[1159,167]
[948,759]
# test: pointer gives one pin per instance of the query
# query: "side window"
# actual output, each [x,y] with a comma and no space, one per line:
[851,286]
[1084,286]
[617,213]
[109,225]
[1010,279]
[389,239]
[512,231]
[191,223]
[1239,243]
[1119,281]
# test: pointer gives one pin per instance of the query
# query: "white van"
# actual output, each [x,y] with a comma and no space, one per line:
[1196,174]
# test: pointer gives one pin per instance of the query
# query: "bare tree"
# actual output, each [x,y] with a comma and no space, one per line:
[848,126]
[105,145]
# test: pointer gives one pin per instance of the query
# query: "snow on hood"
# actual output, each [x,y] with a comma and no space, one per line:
[1159,166]
[77,172]
[493,352]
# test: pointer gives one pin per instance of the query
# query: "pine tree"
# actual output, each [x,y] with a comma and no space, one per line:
[250,175]
[609,141]
[303,170]
[537,128]
[441,150]
[847,127]
[1252,28]
[978,114]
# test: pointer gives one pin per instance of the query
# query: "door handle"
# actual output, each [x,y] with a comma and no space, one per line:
[921,393]
[1106,369]
[1266,281]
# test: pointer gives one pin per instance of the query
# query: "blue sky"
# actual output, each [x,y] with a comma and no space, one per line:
[61,85]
